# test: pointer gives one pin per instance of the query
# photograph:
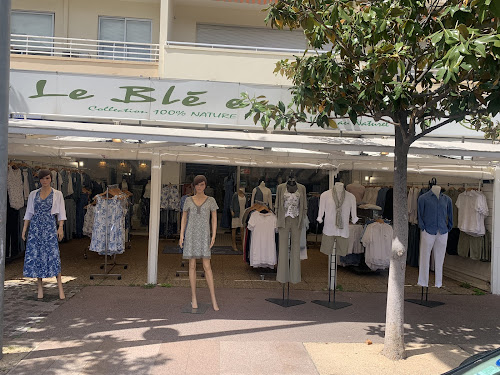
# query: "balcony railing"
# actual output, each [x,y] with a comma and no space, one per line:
[83,48]
[236,47]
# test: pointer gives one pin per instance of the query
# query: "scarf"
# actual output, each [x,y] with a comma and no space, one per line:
[338,205]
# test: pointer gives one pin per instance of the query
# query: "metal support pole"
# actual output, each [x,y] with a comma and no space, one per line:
[495,248]
[4,128]
[154,218]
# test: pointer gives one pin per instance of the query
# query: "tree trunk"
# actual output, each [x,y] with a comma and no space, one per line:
[394,347]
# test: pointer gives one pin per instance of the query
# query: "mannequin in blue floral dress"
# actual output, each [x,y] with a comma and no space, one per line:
[42,259]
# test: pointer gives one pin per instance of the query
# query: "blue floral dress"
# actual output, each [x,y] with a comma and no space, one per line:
[108,232]
[42,249]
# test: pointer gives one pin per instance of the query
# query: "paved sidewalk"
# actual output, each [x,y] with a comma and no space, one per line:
[133,330]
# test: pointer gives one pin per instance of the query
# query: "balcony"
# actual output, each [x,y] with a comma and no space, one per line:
[32,52]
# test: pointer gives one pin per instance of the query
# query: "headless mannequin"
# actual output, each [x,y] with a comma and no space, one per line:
[339,186]
[437,245]
[436,190]
[241,194]
[291,185]
[266,192]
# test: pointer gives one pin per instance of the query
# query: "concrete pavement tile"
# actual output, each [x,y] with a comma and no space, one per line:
[124,357]
[172,358]
[261,358]
[203,357]
[342,358]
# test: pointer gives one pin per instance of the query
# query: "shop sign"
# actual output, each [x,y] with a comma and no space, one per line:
[175,101]
[244,171]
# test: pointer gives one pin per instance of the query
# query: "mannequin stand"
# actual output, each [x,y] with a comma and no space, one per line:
[202,309]
[285,302]
[334,305]
[425,302]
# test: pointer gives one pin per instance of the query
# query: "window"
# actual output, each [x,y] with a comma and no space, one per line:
[250,36]
[125,38]
[26,26]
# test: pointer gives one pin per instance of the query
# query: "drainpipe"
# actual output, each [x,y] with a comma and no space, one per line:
[154,218]
[495,248]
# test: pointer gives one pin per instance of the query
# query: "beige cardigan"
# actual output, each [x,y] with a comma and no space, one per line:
[280,209]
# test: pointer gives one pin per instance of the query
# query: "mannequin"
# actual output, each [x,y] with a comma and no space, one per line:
[238,204]
[262,194]
[195,239]
[435,219]
[291,209]
[336,205]
[357,189]
[147,190]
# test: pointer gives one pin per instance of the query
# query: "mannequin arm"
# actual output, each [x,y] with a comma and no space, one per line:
[214,227]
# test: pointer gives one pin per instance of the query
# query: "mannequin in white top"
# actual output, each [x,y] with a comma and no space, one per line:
[336,228]
[267,197]
[436,190]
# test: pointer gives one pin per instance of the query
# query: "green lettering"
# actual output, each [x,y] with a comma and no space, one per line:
[166,98]
[190,101]
[40,86]
[135,91]
[235,104]
[78,94]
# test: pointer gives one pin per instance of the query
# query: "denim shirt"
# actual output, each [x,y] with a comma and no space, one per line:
[435,215]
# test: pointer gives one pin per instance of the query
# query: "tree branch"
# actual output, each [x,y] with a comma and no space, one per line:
[450,119]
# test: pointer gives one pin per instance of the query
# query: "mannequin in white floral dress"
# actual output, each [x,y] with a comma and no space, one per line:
[195,239]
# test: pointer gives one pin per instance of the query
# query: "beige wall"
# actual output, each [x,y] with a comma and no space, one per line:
[187,16]
[223,65]
[51,6]
[79,19]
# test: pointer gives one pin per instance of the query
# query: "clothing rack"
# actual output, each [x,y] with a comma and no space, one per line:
[106,249]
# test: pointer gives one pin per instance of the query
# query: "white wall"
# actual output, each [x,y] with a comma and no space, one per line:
[171,173]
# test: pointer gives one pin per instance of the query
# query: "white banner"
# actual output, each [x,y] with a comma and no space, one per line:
[191,102]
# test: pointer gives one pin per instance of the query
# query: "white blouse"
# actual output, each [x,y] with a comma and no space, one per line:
[58,207]
[328,209]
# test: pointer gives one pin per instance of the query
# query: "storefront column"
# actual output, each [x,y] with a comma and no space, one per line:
[166,19]
[154,219]
[495,248]
[331,272]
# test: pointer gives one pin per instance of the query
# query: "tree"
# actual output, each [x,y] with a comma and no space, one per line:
[417,64]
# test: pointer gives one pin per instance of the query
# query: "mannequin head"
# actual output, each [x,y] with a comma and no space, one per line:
[45,177]
[262,181]
[199,184]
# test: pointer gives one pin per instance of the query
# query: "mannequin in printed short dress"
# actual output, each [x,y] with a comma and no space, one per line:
[195,239]
[238,204]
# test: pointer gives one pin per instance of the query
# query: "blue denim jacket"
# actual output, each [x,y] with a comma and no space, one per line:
[435,215]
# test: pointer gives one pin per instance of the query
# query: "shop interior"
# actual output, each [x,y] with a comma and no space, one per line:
[463,272]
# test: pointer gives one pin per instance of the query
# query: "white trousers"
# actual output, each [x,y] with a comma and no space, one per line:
[431,243]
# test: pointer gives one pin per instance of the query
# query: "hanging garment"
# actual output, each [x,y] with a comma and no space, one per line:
[170,199]
[413,253]
[435,243]
[413,194]
[453,194]
[388,205]
[472,210]
[228,195]
[378,243]
[239,210]
[15,188]
[42,249]
[88,221]
[370,196]
[108,232]
[263,245]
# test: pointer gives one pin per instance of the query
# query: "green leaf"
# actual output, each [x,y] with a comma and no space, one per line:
[435,38]
[256,118]
[353,116]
